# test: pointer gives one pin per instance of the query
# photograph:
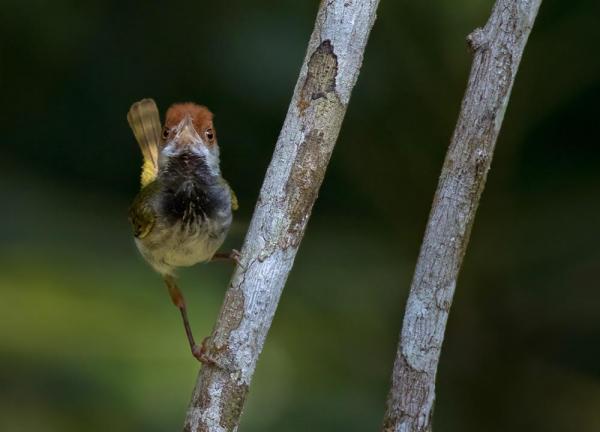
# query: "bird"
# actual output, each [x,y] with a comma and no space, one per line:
[183,211]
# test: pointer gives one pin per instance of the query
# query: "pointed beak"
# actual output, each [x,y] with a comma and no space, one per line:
[186,133]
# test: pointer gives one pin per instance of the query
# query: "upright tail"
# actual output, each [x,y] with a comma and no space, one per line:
[144,121]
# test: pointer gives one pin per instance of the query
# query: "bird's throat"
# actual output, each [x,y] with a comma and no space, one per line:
[190,192]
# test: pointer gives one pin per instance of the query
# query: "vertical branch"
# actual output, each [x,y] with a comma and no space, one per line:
[290,188]
[497,49]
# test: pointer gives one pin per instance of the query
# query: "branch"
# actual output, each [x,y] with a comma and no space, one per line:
[290,188]
[497,49]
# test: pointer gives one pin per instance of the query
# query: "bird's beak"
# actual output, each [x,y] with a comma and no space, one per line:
[186,133]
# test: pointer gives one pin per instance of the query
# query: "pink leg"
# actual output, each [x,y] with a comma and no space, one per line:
[177,298]
[233,256]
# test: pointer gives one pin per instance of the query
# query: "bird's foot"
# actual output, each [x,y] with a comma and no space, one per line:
[233,256]
[201,353]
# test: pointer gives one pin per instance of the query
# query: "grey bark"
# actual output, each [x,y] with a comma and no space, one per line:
[290,188]
[497,50]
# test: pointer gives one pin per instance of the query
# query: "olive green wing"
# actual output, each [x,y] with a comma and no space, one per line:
[141,213]
[234,201]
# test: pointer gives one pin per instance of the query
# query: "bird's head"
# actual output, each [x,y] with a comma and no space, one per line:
[189,129]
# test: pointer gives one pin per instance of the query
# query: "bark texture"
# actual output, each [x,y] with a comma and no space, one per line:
[497,50]
[290,188]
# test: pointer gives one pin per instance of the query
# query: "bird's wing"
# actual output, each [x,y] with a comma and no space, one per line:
[234,200]
[141,212]
[144,121]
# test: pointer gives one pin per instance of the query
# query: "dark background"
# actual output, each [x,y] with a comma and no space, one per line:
[88,337]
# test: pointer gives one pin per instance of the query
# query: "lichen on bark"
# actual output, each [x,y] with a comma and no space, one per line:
[289,191]
[497,50]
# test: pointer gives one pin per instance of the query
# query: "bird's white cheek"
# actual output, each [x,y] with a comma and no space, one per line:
[168,150]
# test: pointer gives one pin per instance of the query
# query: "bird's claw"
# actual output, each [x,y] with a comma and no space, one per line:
[233,256]
[201,353]
[236,256]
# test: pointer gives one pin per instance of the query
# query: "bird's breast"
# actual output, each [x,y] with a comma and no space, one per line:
[193,215]
[191,193]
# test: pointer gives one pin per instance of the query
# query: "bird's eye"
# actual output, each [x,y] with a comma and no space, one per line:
[210,134]
[165,133]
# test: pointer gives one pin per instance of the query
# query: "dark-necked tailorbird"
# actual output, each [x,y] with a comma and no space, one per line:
[183,211]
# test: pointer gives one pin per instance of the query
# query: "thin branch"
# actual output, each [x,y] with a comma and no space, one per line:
[497,49]
[290,188]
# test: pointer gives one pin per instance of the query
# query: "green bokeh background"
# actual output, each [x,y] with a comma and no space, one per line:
[88,338]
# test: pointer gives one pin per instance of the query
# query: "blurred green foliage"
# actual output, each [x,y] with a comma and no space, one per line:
[88,338]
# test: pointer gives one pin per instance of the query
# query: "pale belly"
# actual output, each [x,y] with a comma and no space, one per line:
[168,248]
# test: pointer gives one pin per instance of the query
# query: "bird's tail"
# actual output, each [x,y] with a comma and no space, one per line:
[144,121]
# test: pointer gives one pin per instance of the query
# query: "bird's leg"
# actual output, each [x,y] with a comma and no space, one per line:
[177,298]
[233,256]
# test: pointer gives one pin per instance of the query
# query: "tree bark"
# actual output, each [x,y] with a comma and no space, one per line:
[290,188]
[497,49]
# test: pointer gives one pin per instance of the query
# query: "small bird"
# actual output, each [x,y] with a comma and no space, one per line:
[183,211]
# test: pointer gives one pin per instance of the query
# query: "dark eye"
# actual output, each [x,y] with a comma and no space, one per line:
[165,133]
[210,134]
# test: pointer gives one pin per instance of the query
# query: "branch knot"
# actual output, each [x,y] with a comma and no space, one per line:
[477,40]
